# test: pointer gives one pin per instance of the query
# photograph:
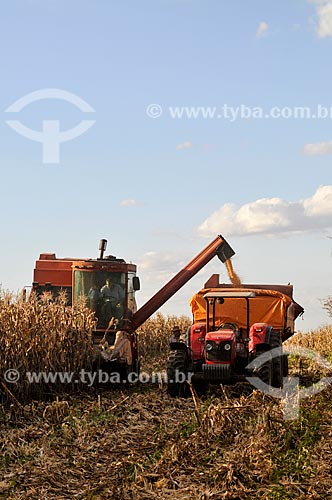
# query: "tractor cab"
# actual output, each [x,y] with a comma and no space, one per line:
[215,315]
[226,338]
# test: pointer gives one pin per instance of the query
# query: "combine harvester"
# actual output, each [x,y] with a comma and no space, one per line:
[232,327]
[108,285]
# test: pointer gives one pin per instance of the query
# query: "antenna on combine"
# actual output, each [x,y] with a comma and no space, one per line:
[102,248]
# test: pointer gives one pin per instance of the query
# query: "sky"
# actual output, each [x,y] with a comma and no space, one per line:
[205,118]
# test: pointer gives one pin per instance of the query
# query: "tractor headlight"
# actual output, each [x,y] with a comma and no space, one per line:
[209,347]
[227,347]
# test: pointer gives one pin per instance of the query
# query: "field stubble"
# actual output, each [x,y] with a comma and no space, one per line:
[137,443]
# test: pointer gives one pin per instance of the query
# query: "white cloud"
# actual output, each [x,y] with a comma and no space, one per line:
[184,145]
[157,268]
[320,148]
[129,203]
[320,203]
[160,263]
[272,216]
[324,13]
[262,29]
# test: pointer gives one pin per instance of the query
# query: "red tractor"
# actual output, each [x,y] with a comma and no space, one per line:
[231,328]
[108,286]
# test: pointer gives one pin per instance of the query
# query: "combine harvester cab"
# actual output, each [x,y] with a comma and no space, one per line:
[231,328]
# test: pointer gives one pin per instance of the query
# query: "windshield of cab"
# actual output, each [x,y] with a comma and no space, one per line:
[104,293]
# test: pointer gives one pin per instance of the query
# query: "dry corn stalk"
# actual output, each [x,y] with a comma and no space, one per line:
[42,335]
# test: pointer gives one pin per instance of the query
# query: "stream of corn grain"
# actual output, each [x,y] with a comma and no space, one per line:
[233,276]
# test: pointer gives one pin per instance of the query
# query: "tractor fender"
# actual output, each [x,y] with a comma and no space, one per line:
[259,337]
[178,346]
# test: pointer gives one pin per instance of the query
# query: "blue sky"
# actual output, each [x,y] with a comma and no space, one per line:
[179,175]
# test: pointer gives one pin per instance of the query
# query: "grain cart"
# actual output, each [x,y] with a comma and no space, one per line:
[108,285]
[231,327]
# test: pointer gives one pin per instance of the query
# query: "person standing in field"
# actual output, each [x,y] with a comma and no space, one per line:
[176,334]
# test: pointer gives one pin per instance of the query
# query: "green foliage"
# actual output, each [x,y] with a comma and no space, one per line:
[292,455]
[188,428]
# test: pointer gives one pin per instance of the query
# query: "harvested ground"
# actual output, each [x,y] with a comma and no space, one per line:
[136,442]
[90,447]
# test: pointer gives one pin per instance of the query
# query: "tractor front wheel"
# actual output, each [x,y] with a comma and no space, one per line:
[177,374]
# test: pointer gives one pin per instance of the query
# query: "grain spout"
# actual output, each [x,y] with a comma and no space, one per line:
[235,279]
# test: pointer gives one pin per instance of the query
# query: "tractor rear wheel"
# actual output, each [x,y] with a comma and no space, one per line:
[264,371]
[285,365]
[277,361]
[177,374]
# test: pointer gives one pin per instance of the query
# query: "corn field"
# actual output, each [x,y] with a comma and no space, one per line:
[47,336]
[42,335]
[319,340]
[154,336]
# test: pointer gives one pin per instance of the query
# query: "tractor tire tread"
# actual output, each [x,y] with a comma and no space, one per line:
[177,364]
